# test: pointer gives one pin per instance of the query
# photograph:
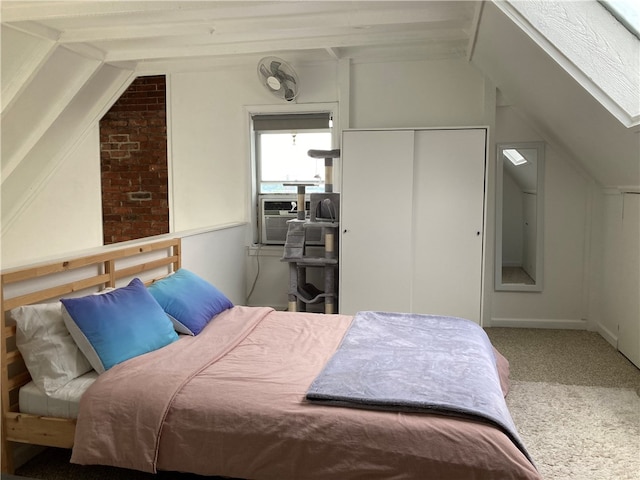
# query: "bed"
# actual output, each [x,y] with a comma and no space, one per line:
[230,398]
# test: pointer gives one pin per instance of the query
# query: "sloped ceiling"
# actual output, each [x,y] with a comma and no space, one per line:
[76,57]
[160,36]
[64,63]
[555,103]
[592,45]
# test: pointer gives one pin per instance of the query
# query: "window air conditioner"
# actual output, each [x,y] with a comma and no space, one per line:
[274,214]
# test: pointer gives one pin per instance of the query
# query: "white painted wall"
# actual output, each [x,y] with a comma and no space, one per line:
[67,214]
[267,277]
[218,256]
[436,93]
[210,156]
[566,242]
[210,167]
[209,159]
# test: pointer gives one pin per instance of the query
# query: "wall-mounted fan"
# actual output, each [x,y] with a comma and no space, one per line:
[278,77]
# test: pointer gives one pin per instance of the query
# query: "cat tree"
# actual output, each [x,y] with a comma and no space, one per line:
[324,212]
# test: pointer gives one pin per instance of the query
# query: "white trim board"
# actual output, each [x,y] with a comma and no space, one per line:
[607,334]
[566,324]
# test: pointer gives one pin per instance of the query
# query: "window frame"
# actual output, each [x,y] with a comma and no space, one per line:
[250,112]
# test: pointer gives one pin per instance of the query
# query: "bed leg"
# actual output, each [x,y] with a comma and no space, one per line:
[7,455]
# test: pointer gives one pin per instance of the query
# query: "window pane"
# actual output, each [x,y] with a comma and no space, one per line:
[284,158]
[626,12]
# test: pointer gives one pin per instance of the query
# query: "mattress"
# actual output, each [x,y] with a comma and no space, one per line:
[63,403]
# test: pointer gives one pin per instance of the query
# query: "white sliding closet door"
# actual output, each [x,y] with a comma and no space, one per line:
[412,209]
[629,308]
[448,212]
[376,220]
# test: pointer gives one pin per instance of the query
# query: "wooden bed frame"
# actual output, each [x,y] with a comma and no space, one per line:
[49,282]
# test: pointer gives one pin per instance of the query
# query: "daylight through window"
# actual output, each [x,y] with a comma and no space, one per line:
[282,143]
[627,12]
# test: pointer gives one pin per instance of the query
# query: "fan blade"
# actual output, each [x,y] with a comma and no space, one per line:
[287,77]
[289,94]
[264,71]
[275,67]
[280,74]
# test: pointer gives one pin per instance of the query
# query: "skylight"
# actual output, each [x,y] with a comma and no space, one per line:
[603,57]
[514,156]
[627,12]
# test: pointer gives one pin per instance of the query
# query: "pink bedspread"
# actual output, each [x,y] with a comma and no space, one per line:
[230,402]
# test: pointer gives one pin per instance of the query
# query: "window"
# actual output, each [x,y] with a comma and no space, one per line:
[282,143]
[627,12]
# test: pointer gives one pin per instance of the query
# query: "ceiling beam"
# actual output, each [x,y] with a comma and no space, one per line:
[290,24]
[266,44]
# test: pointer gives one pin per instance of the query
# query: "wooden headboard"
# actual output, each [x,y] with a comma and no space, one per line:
[49,282]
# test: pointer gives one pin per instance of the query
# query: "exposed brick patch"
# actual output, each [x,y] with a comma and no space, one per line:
[133,153]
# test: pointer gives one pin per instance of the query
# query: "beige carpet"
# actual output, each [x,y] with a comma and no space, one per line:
[574,400]
[578,432]
[568,357]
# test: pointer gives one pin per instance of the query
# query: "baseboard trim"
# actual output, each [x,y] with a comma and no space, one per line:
[607,334]
[567,324]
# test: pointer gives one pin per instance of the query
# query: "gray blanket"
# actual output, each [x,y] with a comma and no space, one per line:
[422,363]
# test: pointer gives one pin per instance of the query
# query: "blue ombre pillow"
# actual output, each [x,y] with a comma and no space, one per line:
[190,301]
[117,325]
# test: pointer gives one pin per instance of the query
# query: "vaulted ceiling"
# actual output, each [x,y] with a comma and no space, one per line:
[171,35]
[64,63]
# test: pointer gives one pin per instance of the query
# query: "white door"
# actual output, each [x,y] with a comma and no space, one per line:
[448,222]
[376,220]
[629,327]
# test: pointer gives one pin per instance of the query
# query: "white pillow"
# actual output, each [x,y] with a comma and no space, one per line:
[50,354]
